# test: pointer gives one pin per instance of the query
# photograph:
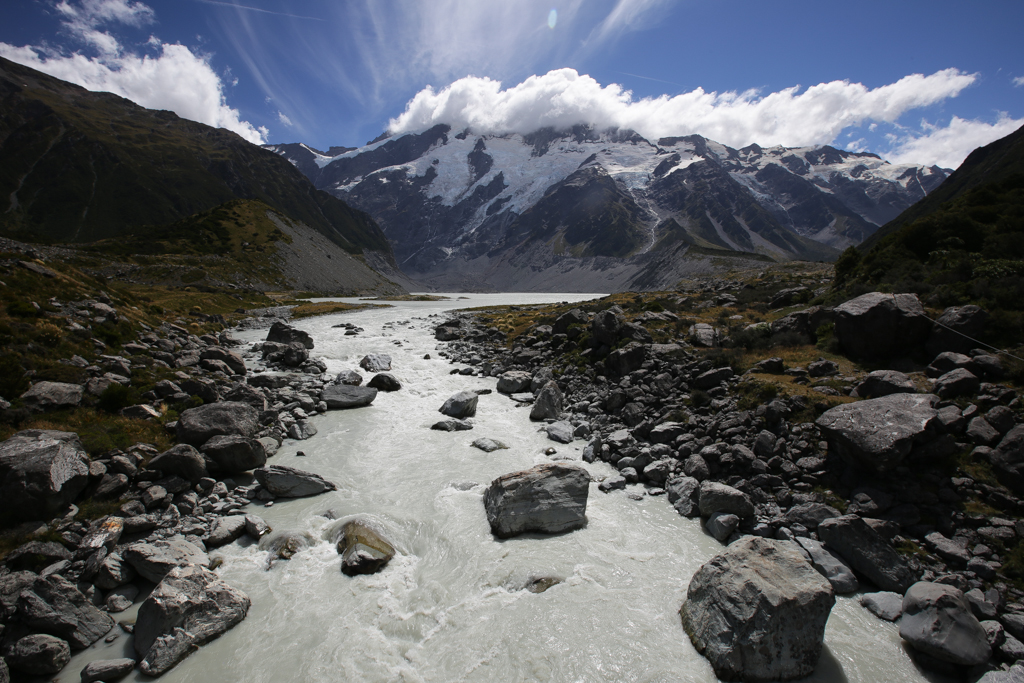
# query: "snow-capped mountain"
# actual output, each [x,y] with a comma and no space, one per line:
[542,210]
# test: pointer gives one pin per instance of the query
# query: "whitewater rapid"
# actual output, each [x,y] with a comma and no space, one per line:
[451,605]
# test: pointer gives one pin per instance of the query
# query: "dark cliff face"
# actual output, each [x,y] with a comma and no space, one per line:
[78,166]
[446,199]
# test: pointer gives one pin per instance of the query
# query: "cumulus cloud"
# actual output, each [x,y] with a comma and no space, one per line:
[562,98]
[1019,81]
[173,78]
[948,146]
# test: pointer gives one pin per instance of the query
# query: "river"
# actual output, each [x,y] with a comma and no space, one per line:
[450,606]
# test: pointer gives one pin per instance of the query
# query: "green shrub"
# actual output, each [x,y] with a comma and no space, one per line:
[115,397]
[23,309]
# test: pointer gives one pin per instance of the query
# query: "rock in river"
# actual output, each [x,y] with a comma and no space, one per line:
[384,381]
[549,498]
[189,607]
[362,549]
[38,655]
[348,396]
[758,611]
[461,405]
[938,622]
[376,362]
[548,404]
[287,482]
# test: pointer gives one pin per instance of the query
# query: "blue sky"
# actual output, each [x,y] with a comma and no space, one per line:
[915,81]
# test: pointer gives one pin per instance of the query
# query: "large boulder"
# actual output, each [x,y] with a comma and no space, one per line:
[514,382]
[384,381]
[804,323]
[41,472]
[549,498]
[38,654]
[548,405]
[190,606]
[757,612]
[342,396]
[957,382]
[937,621]
[225,530]
[363,550]
[228,358]
[461,405]
[829,565]
[287,482]
[52,396]
[152,560]
[604,328]
[234,453]
[55,606]
[954,330]
[867,552]
[286,334]
[568,319]
[1008,460]
[883,383]
[376,362]
[181,460]
[198,425]
[877,434]
[107,670]
[877,326]
[621,362]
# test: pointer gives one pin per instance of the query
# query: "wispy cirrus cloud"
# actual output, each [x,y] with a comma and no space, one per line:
[164,76]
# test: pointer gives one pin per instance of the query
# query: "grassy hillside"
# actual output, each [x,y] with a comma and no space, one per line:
[78,166]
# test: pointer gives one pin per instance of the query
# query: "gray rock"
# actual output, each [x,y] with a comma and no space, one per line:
[683,494]
[704,335]
[721,525]
[951,552]
[809,514]
[270,445]
[107,670]
[658,471]
[376,362]
[712,378]
[52,396]
[568,319]
[363,550]
[234,453]
[384,381]
[120,599]
[41,472]
[980,432]
[152,560]
[349,377]
[514,382]
[963,320]
[548,498]
[621,362]
[189,607]
[53,605]
[883,383]
[877,434]
[228,358]
[182,460]
[876,326]
[140,412]
[1015,674]
[822,368]
[1008,460]
[461,405]
[342,396]
[718,497]
[113,572]
[451,425]
[695,466]
[548,405]
[248,394]
[282,333]
[562,432]
[885,605]
[36,555]
[958,382]
[757,612]
[198,425]
[302,430]
[867,552]
[604,328]
[488,445]
[256,527]
[829,565]
[39,655]
[938,622]
[224,530]
[287,482]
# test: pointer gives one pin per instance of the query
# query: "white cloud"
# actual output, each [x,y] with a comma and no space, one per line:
[948,146]
[1019,81]
[563,98]
[283,118]
[174,78]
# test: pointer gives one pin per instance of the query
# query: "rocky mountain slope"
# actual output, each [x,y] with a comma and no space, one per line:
[523,211]
[81,167]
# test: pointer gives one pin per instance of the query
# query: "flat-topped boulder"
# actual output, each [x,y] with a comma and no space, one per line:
[376,362]
[344,396]
[182,460]
[229,358]
[878,325]
[877,434]
[152,560]
[198,425]
[41,472]
[234,453]
[757,611]
[548,498]
[363,549]
[514,382]
[288,482]
[55,606]
[283,333]
[189,607]
[52,396]
[883,383]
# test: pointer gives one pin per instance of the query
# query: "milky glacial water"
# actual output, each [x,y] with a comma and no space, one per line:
[450,606]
